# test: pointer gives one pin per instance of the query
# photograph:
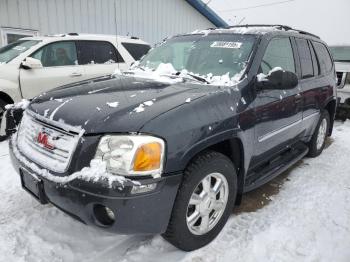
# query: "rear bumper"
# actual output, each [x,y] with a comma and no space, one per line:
[143,213]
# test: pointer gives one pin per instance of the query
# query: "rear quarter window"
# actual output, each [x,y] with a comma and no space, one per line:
[97,52]
[136,50]
[324,58]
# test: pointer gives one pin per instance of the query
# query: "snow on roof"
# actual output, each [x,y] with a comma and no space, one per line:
[83,36]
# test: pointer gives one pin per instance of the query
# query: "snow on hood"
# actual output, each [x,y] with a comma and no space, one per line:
[96,172]
[114,104]
[23,104]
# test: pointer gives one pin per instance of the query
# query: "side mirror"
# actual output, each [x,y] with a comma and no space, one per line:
[31,63]
[277,79]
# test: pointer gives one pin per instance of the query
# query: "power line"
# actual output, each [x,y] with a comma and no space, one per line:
[257,6]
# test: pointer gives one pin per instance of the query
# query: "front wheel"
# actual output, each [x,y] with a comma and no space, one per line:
[204,202]
[318,140]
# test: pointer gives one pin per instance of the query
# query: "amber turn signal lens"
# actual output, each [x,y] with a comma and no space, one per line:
[148,157]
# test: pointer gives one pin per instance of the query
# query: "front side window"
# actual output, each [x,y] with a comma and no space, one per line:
[279,53]
[11,51]
[97,52]
[305,58]
[324,58]
[214,54]
[57,54]
[136,50]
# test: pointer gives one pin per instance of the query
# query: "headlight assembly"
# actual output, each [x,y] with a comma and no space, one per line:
[132,155]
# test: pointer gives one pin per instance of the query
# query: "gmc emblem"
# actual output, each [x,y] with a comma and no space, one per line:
[43,139]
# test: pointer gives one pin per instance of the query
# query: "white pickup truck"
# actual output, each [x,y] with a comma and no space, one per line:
[33,65]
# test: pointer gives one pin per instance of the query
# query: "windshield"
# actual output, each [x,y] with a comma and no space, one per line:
[213,54]
[9,52]
[341,53]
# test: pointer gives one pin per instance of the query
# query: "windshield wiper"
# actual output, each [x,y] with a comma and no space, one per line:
[193,76]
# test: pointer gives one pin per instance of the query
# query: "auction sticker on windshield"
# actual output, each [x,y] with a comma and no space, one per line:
[224,44]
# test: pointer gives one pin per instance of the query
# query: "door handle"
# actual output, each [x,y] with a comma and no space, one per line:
[298,98]
[75,74]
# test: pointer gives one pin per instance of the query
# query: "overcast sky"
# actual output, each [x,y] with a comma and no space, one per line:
[330,19]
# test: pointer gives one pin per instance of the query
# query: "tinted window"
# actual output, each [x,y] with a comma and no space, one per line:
[97,52]
[305,58]
[279,53]
[136,50]
[314,60]
[323,56]
[57,54]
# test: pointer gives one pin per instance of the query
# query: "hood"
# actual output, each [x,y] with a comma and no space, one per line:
[342,66]
[115,104]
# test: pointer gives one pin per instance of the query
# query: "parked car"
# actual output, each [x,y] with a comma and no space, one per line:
[172,145]
[341,55]
[34,65]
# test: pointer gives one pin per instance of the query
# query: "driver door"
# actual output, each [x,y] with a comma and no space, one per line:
[278,112]
[60,67]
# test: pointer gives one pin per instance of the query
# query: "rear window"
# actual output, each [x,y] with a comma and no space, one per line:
[97,52]
[305,58]
[324,58]
[136,50]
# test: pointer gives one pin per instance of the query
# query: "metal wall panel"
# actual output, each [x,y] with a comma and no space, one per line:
[151,20]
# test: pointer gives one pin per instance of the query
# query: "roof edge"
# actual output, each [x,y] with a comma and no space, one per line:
[206,11]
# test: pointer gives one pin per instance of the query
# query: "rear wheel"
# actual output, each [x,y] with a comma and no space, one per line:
[204,202]
[318,140]
[2,114]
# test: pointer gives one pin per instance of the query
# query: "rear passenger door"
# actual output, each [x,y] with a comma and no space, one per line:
[278,112]
[99,58]
[313,81]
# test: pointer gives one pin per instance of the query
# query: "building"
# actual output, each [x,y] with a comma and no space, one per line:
[151,20]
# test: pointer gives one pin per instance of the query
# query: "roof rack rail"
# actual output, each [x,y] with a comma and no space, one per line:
[285,27]
[73,34]
[281,27]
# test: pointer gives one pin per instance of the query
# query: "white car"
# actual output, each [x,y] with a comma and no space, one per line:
[33,65]
[341,55]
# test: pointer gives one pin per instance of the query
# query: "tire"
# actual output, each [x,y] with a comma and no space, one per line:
[219,168]
[2,114]
[315,148]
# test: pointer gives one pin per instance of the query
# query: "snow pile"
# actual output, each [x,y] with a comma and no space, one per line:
[166,73]
[23,104]
[113,104]
[141,107]
[262,76]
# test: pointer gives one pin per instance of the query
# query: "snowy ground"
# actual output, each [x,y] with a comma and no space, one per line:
[308,219]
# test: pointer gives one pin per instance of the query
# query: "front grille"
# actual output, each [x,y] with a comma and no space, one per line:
[46,145]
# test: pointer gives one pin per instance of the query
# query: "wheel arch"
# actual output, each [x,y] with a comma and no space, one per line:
[232,148]
[331,107]
[5,97]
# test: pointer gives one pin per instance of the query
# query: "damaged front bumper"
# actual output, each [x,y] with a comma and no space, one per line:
[127,207]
